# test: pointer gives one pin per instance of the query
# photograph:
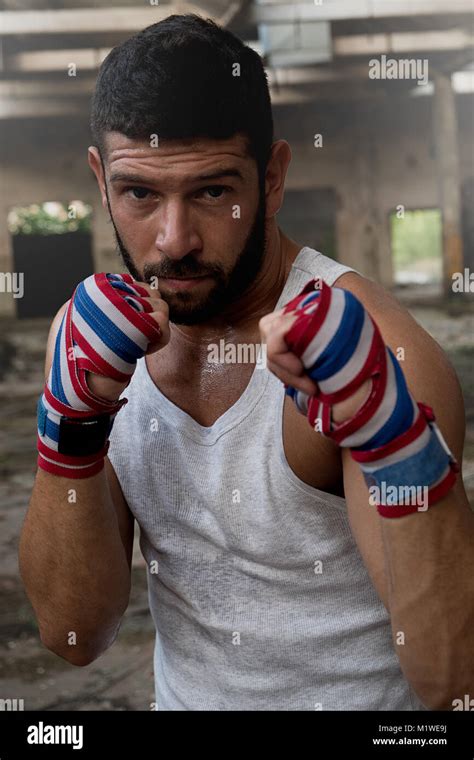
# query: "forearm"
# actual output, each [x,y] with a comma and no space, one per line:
[429,560]
[73,564]
[430,569]
[77,538]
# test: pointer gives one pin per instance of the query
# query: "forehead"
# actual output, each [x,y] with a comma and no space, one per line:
[168,153]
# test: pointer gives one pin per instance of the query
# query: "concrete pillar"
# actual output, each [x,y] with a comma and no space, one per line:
[362,229]
[447,168]
[7,301]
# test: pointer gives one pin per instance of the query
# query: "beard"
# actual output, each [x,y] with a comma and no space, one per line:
[185,308]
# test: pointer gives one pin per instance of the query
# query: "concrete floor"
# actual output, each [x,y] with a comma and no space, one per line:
[122,679]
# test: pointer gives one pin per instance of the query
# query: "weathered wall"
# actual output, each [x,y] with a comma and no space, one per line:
[375,156]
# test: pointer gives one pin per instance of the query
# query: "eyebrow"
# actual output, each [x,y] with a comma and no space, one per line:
[218,174]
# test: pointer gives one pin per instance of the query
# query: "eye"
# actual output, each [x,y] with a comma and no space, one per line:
[137,193]
[215,191]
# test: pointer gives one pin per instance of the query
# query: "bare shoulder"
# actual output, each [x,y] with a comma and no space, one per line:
[395,322]
[398,327]
[412,344]
[427,369]
[374,296]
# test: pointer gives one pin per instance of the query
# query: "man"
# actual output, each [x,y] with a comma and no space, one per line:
[277,580]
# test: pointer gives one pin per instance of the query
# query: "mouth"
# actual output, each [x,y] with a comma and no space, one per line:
[183,283]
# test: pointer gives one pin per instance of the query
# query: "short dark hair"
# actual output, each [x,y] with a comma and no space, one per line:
[177,79]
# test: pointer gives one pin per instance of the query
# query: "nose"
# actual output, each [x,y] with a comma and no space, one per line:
[177,235]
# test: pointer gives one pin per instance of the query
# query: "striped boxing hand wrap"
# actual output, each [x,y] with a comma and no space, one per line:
[405,460]
[104,330]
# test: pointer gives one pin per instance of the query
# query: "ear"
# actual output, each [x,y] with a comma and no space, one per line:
[275,176]
[93,157]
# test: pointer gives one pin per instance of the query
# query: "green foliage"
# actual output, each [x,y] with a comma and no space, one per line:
[50,218]
[416,236]
[417,246]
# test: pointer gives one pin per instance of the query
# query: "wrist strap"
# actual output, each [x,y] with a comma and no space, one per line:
[56,442]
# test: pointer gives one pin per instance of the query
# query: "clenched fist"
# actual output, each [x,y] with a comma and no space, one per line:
[110,322]
[112,389]
[289,368]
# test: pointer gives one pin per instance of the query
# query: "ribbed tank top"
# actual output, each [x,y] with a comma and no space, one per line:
[257,589]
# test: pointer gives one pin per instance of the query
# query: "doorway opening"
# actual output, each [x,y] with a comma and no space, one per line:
[417,247]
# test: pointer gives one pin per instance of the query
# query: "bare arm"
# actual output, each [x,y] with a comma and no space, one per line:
[428,556]
[75,557]
[423,563]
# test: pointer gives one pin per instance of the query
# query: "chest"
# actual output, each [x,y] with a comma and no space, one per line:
[206,394]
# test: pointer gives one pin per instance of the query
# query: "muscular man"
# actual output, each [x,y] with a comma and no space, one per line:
[279,579]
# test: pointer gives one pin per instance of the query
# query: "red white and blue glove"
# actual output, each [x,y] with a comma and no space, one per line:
[394,439]
[105,329]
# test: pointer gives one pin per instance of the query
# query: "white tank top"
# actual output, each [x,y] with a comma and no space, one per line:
[257,589]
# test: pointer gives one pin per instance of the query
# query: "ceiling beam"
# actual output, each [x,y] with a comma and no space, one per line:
[88,20]
[66,89]
[350,45]
[287,77]
[133,19]
[336,10]
[368,44]
[55,60]
[277,77]
[33,108]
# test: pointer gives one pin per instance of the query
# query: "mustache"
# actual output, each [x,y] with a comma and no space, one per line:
[180,269]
